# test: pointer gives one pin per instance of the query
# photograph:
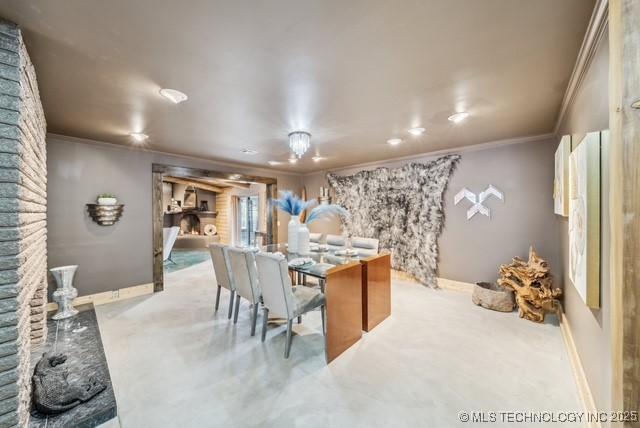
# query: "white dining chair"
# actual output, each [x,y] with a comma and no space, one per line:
[281,298]
[244,277]
[365,246]
[223,273]
[315,237]
[335,242]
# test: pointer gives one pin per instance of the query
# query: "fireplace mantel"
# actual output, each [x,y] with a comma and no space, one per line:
[204,217]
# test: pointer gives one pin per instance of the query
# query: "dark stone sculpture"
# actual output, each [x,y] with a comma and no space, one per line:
[54,393]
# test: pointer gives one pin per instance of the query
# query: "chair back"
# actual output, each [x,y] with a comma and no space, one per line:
[169,236]
[221,265]
[335,241]
[243,273]
[365,246]
[273,276]
[315,237]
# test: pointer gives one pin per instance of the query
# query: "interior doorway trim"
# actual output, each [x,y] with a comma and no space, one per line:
[160,170]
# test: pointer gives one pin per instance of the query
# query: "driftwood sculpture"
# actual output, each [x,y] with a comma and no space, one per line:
[55,391]
[533,285]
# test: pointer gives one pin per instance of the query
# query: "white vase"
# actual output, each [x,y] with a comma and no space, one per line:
[303,239]
[65,293]
[292,232]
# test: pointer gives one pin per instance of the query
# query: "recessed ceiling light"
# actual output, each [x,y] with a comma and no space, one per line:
[138,137]
[249,152]
[458,117]
[274,163]
[417,131]
[173,95]
[317,158]
[394,141]
[293,160]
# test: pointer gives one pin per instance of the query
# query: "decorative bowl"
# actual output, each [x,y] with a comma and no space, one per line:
[107,201]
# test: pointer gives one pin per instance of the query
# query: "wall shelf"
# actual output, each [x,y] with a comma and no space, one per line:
[105,215]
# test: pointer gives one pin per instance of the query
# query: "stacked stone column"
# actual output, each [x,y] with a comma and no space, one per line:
[23,227]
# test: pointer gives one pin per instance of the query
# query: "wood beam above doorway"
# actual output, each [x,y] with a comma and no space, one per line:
[194,183]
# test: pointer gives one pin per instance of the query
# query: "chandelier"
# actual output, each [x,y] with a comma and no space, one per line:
[299,142]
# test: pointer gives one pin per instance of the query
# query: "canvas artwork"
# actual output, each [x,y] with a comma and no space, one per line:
[561,181]
[584,219]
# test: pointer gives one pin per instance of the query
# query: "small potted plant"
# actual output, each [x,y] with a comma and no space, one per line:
[107,199]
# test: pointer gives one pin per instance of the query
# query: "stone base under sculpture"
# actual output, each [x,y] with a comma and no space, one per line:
[493,296]
[79,339]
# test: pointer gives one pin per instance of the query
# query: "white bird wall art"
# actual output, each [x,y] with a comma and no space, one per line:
[477,200]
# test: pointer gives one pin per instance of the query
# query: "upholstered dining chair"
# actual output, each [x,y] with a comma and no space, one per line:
[365,246]
[244,277]
[315,237]
[335,242]
[281,298]
[223,273]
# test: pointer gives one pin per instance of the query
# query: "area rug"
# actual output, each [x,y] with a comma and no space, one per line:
[402,208]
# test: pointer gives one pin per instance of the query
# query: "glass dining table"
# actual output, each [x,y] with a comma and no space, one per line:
[320,261]
[340,278]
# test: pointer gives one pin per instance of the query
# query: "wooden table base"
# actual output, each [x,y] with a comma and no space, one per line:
[376,290]
[343,291]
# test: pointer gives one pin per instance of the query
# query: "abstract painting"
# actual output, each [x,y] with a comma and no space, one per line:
[561,180]
[584,219]
[402,208]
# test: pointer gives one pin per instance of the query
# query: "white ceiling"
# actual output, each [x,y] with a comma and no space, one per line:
[354,73]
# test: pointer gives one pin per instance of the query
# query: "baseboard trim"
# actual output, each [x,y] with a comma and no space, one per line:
[584,391]
[109,296]
[443,283]
[449,284]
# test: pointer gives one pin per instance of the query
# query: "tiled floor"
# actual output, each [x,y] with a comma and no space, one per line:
[174,362]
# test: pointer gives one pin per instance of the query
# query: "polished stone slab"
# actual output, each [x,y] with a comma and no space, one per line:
[79,338]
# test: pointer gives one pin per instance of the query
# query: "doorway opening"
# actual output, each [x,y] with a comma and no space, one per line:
[193,208]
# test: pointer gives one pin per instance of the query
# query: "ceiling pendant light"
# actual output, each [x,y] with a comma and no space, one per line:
[299,142]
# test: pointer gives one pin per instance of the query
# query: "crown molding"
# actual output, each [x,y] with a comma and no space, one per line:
[455,150]
[595,31]
[67,138]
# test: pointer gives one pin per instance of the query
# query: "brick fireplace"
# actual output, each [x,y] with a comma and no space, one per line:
[23,227]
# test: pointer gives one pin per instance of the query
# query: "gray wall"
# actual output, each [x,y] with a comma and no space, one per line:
[118,256]
[591,328]
[473,250]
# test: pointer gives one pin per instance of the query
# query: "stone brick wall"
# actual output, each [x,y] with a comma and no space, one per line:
[23,225]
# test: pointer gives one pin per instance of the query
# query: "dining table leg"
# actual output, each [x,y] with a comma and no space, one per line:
[343,293]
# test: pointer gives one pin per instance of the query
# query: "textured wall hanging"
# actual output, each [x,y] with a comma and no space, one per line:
[403,208]
[477,201]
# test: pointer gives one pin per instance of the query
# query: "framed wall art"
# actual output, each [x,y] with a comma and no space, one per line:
[561,180]
[584,219]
